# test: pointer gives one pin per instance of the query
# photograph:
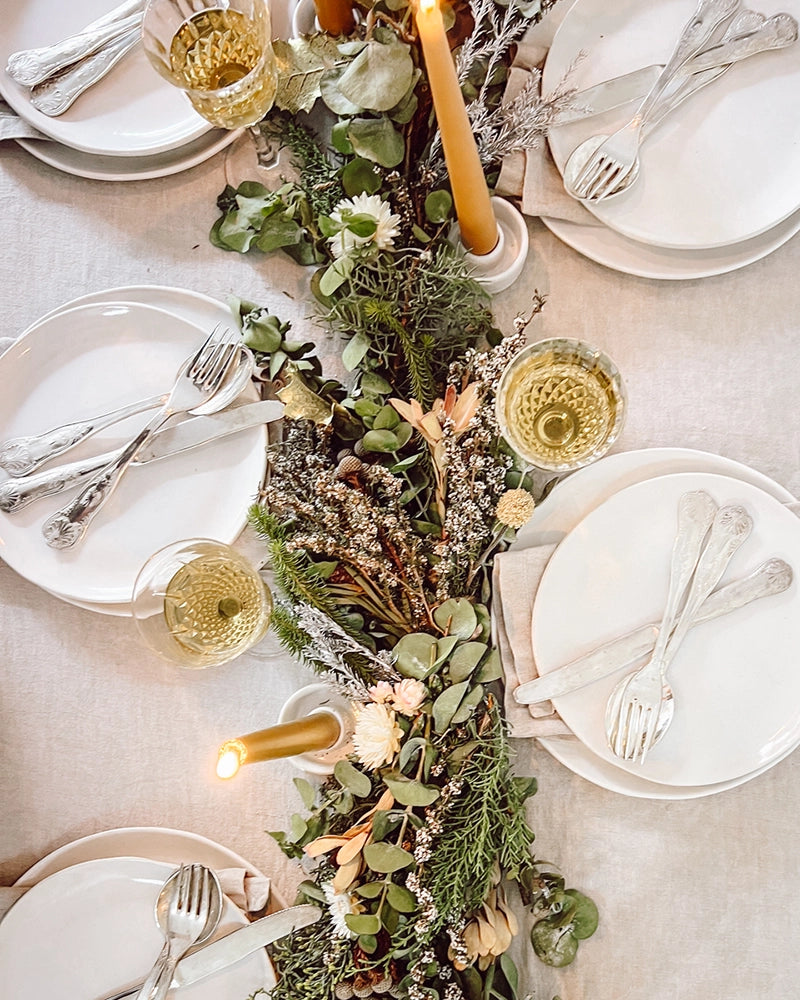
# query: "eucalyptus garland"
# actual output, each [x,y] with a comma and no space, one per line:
[386,500]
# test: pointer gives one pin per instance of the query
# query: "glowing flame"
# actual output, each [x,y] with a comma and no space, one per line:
[231,757]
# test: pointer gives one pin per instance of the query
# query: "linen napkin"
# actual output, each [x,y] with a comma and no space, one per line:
[515,580]
[531,176]
[249,892]
[14,127]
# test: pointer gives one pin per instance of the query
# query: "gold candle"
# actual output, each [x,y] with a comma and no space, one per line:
[318,731]
[467,180]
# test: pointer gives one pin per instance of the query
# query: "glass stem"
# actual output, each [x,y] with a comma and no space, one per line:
[266,150]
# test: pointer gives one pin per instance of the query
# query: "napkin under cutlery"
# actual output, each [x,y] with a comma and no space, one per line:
[14,127]
[247,891]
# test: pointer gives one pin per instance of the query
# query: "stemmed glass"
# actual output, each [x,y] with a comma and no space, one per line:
[219,52]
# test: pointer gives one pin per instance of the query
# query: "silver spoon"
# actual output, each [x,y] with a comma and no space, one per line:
[163,909]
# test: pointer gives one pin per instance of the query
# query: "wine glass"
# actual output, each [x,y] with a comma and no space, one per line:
[560,404]
[199,603]
[219,52]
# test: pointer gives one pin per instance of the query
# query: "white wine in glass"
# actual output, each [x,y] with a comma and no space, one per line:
[560,404]
[219,52]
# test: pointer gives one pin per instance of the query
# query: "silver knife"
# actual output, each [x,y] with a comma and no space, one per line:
[235,946]
[772,577]
[17,493]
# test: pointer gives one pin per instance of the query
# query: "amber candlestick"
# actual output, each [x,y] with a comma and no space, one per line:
[318,731]
[335,16]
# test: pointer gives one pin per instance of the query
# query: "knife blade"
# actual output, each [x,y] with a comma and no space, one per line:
[610,94]
[193,432]
[235,946]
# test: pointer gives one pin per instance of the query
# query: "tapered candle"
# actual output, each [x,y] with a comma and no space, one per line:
[467,180]
[335,16]
[318,731]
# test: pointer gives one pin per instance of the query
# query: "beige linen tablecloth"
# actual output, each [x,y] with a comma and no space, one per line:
[698,899]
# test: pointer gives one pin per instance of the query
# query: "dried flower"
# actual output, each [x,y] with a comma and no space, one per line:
[343,242]
[515,508]
[409,694]
[381,692]
[339,905]
[488,934]
[377,736]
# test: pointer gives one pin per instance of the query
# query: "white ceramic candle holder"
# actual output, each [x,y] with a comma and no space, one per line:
[501,267]
[320,698]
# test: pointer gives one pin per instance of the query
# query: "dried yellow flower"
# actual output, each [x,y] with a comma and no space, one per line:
[515,508]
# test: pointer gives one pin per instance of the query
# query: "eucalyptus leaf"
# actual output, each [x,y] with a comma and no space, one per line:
[363,923]
[360,176]
[468,705]
[471,983]
[297,827]
[339,139]
[554,945]
[367,943]
[382,441]
[409,792]
[410,750]
[456,617]
[446,705]
[510,972]
[377,139]
[379,76]
[352,779]
[336,275]
[491,668]
[444,647]
[401,899]
[354,350]
[262,337]
[370,890]
[583,916]
[465,659]
[388,418]
[311,890]
[332,95]
[403,432]
[386,858]
[278,231]
[415,653]
[306,790]
[406,108]
[438,207]
[374,384]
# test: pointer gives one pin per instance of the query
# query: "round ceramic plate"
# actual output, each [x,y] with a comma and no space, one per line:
[131,112]
[737,692]
[89,360]
[569,503]
[128,168]
[89,930]
[604,246]
[725,166]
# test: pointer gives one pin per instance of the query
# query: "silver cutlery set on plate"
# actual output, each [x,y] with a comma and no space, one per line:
[603,166]
[206,384]
[58,74]
[641,706]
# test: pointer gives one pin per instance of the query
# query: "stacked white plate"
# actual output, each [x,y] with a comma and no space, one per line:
[719,180]
[86,925]
[735,681]
[91,356]
[132,125]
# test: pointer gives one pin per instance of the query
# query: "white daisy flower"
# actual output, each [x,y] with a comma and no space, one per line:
[377,735]
[339,905]
[344,242]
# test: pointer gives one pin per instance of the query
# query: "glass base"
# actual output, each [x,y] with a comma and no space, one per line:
[254,157]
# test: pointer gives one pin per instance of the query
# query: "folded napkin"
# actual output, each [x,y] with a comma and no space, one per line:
[249,892]
[532,176]
[515,580]
[14,127]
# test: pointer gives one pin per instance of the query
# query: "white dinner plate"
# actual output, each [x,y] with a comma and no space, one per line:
[89,930]
[569,503]
[736,686]
[88,360]
[604,246]
[132,112]
[129,168]
[725,167]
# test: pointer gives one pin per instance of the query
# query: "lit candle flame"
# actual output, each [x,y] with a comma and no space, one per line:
[232,755]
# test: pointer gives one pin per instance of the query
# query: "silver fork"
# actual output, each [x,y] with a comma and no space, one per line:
[642,693]
[616,156]
[186,921]
[198,380]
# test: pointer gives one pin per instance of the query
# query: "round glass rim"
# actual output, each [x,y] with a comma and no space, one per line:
[575,348]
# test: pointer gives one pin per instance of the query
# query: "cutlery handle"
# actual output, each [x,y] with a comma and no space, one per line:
[759,35]
[696,511]
[67,526]
[16,494]
[59,92]
[33,66]
[23,455]
[146,989]
[731,527]
[697,31]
